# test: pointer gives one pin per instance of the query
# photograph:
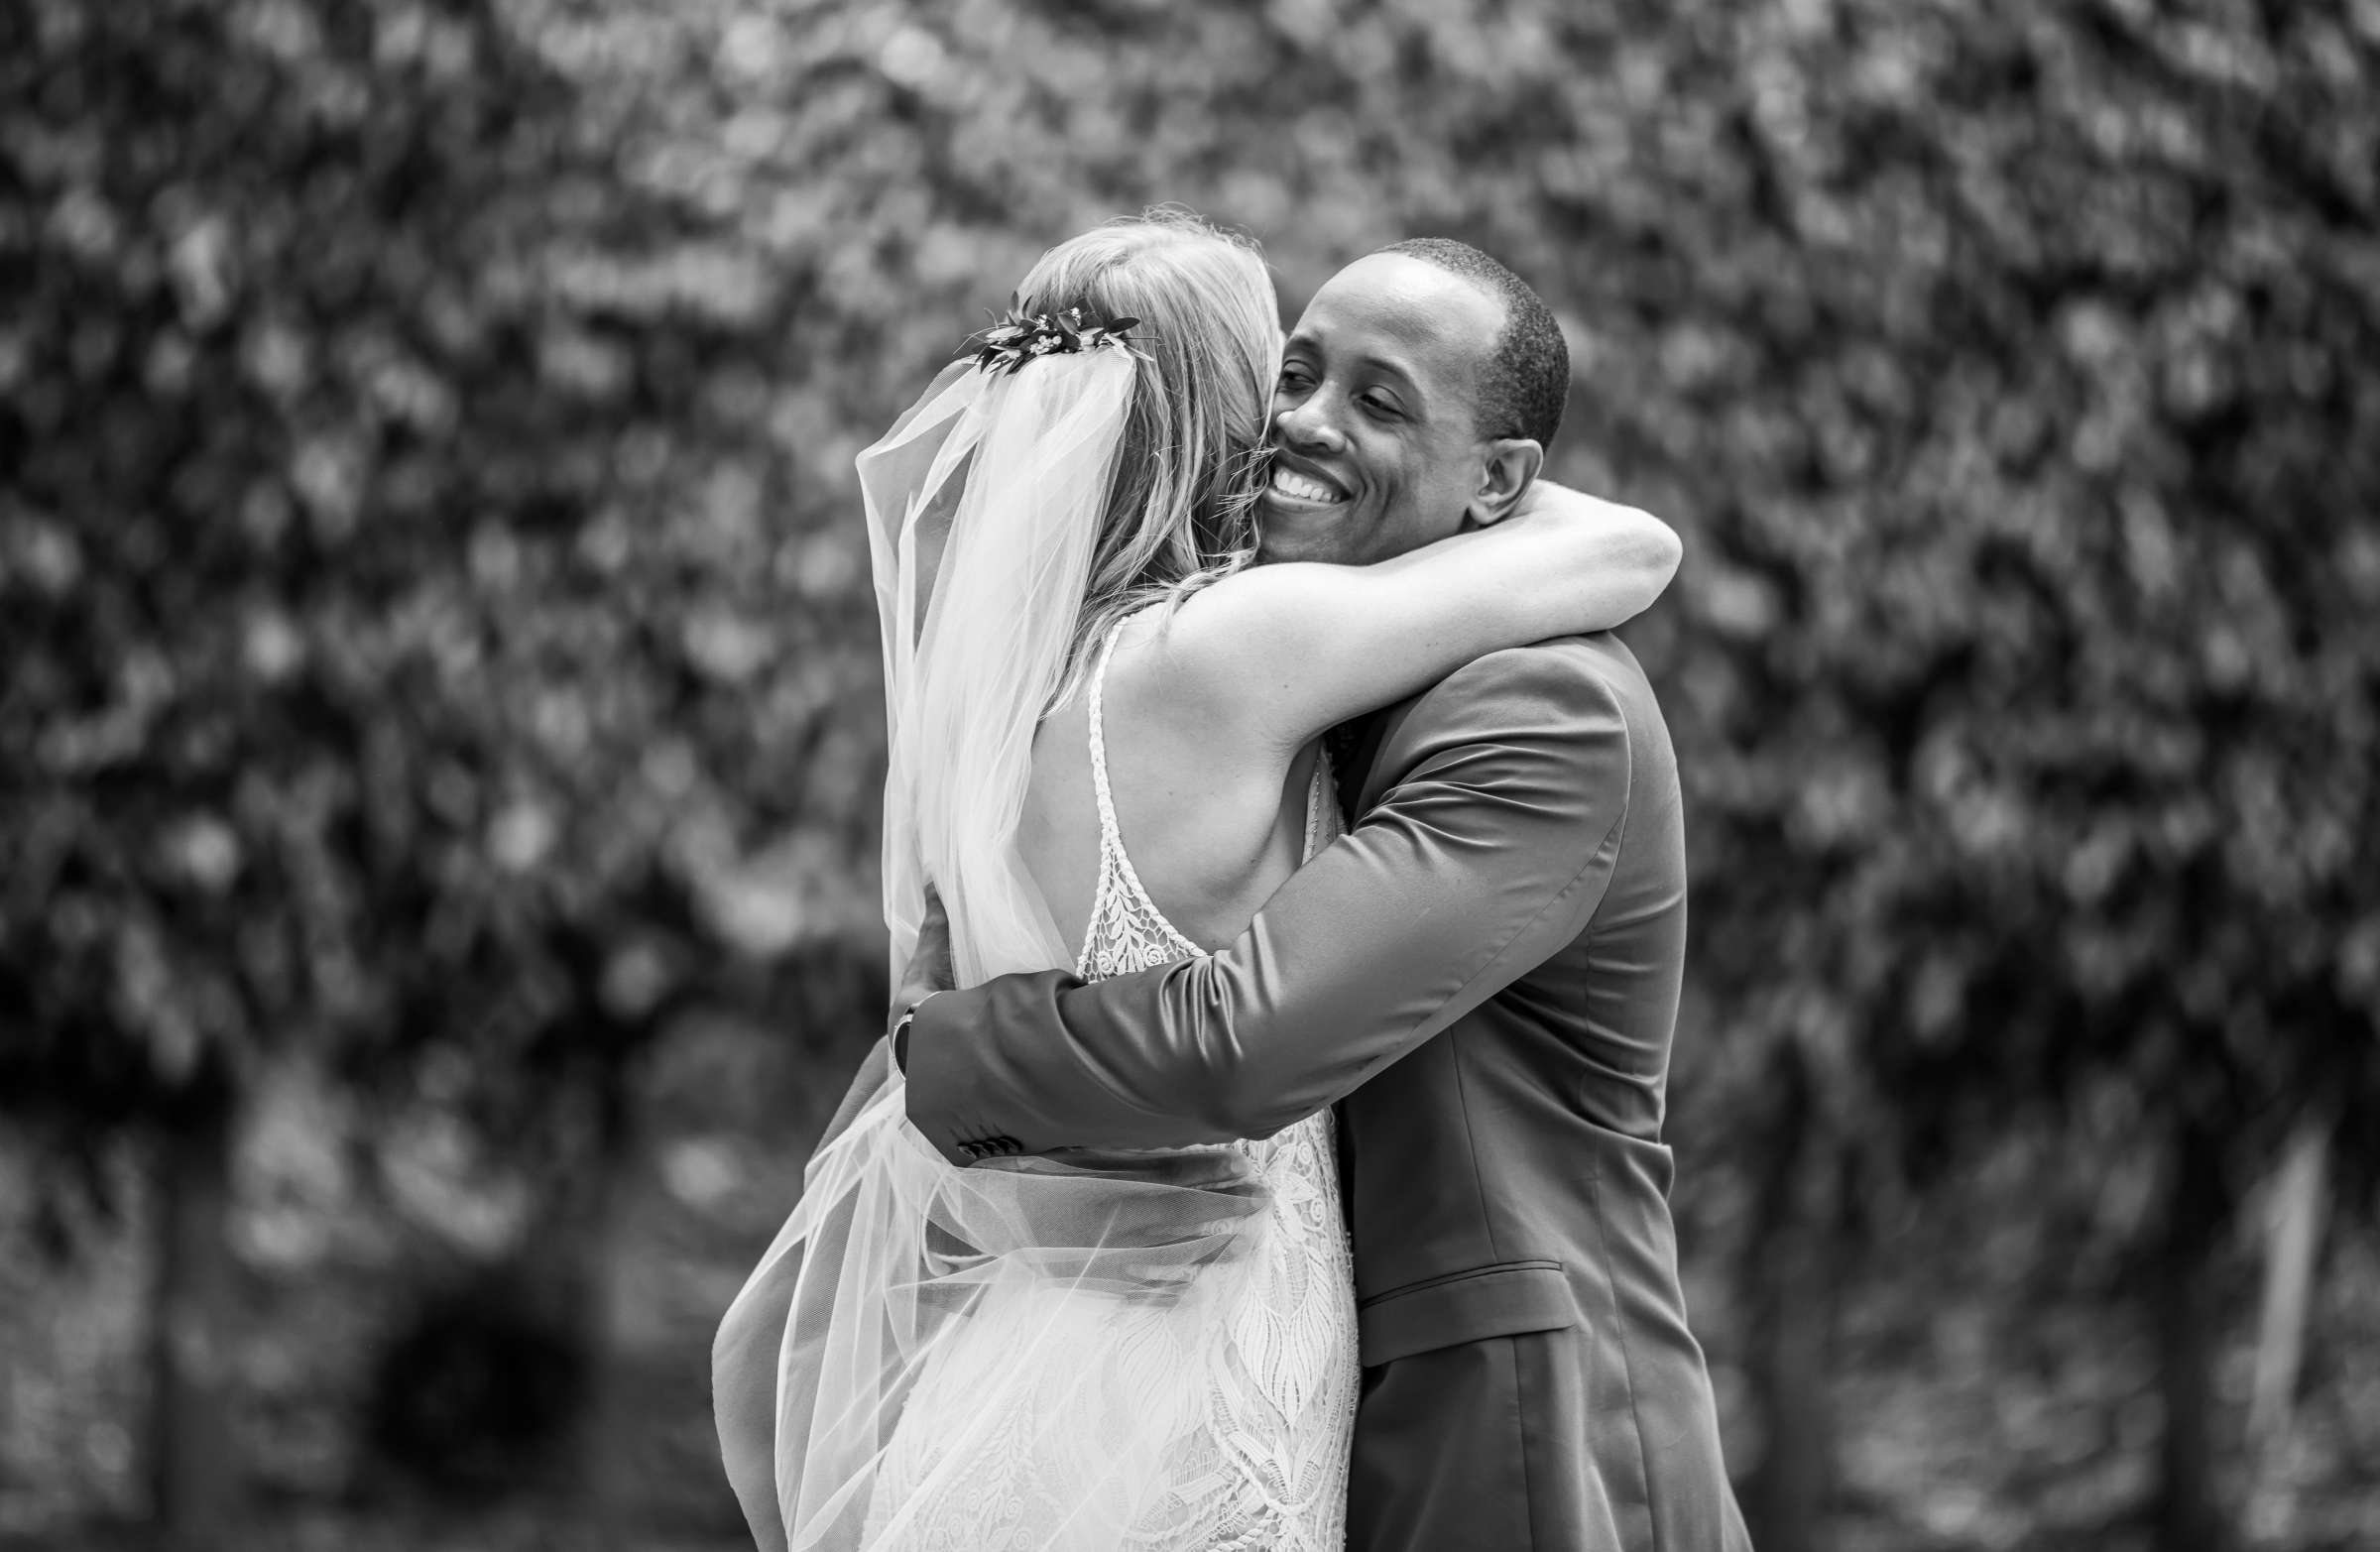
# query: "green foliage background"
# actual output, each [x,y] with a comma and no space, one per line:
[440,698]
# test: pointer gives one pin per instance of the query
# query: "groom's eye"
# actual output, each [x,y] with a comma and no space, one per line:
[1379,406]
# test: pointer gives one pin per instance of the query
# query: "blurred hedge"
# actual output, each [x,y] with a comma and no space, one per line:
[436,622]
[422,632]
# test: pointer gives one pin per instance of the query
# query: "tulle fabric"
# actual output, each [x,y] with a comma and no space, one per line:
[1009,1356]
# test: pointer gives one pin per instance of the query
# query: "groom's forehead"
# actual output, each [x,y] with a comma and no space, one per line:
[1398,313]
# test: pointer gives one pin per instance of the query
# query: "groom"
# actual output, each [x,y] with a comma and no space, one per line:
[1483,976]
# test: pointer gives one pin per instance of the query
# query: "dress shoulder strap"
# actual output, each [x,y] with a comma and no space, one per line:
[1126,931]
[1323,824]
[1110,835]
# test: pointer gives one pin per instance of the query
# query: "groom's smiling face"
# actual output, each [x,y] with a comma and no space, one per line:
[1376,438]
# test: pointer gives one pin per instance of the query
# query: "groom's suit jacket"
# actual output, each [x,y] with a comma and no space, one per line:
[1483,976]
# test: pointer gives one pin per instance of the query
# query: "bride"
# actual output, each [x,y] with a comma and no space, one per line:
[1106,751]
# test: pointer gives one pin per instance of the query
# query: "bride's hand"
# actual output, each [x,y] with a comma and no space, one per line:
[928,969]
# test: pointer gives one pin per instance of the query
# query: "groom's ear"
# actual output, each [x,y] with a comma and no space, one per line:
[1511,464]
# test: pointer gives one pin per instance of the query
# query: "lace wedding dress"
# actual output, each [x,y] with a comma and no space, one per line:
[1268,1378]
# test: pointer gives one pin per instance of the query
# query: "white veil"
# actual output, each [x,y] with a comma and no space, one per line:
[983,509]
[1021,1344]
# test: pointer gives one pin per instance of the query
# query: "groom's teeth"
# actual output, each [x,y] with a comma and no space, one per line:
[1303,489]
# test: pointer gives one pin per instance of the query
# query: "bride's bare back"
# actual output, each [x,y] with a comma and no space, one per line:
[1213,824]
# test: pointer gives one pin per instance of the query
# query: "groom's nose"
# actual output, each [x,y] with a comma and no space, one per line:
[1303,428]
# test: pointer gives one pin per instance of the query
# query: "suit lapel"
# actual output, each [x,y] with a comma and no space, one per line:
[1354,748]
[1351,746]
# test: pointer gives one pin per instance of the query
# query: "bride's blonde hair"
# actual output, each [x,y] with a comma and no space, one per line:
[1178,513]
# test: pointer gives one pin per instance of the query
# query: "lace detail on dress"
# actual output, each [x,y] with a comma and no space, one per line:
[1127,931]
[1271,1466]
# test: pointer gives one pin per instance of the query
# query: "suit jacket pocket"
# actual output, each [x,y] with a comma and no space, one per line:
[1503,1300]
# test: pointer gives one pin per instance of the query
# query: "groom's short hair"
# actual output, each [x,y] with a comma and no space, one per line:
[1527,378]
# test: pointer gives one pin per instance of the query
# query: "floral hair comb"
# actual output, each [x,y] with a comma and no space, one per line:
[1019,337]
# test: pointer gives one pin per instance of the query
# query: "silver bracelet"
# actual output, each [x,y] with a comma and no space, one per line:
[901,1031]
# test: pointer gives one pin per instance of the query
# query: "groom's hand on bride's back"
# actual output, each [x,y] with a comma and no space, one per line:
[928,972]
[1141,1226]
[1148,1222]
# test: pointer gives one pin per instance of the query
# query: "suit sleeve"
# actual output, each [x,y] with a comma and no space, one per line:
[1490,852]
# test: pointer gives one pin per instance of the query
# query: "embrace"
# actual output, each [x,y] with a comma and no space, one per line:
[1266,1152]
